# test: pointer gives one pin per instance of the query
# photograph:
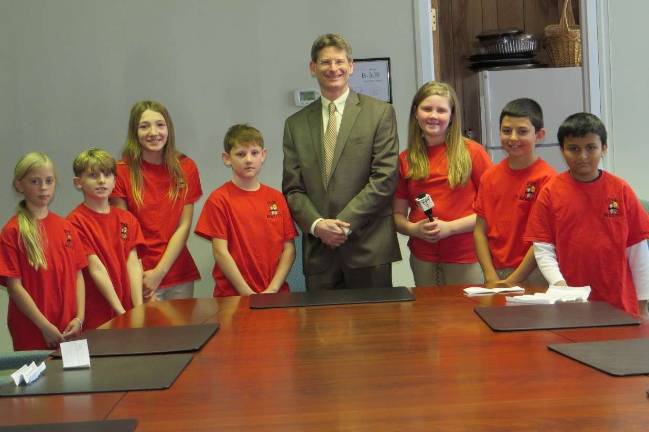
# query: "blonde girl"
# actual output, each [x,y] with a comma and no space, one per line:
[159,185]
[40,262]
[440,162]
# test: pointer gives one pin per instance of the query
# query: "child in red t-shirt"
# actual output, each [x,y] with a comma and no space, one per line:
[248,223]
[159,186]
[588,226]
[507,192]
[448,167]
[111,237]
[40,263]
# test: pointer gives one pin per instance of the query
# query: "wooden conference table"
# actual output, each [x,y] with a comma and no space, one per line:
[431,364]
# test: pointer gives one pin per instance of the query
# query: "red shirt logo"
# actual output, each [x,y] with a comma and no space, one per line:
[273,209]
[613,207]
[529,193]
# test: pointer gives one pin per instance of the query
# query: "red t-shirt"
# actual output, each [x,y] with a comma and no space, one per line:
[591,225]
[256,224]
[449,203]
[504,201]
[110,236]
[159,216]
[52,289]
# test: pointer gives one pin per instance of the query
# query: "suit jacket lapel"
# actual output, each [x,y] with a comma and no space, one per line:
[352,109]
[315,127]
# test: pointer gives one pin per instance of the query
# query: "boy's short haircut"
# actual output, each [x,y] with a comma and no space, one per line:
[94,159]
[242,133]
[330,40]
[524,107]
[581,124]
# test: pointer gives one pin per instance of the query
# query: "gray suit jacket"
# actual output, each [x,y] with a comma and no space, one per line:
[361,186]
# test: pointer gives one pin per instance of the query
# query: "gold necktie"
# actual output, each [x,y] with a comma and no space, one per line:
[329,142]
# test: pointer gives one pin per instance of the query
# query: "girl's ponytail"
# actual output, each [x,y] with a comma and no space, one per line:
[30,233]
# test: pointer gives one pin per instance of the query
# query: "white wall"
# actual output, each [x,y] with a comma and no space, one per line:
[624,68]
[71,69]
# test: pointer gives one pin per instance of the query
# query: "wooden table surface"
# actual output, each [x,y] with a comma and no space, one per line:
[431,364]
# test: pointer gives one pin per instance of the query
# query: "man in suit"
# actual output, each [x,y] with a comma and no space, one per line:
[340,172]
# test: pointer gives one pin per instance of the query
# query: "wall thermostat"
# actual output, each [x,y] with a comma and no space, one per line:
[304,97]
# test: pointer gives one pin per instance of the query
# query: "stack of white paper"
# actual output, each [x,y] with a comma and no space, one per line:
[28,374]
[481,290]
[554,294]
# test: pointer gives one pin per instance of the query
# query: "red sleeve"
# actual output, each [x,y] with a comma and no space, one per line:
[483,194]
[122,181]
[81,253]
[550,173]
[637,217]
[212,223]
[480,162]
[289,227]
[540,225]
[194,190]
[546,174]
[84,241]
[136,240]
[478,204]
[402,185]
[9,262]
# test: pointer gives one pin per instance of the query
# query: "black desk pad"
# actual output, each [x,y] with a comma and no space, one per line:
[106,374]
[90,426]
[330,297]
[147,340]
[554,316]
[615,357]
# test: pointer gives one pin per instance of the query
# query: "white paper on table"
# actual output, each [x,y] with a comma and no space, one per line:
[18,375]
[27,374]
[34,372]
[566,293]
[75,354]
[482,290]
[553,295]
[536,298]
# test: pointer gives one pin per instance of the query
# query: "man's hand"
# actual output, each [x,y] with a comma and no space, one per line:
[331,232]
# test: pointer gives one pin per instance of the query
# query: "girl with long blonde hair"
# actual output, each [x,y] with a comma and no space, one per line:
[442,163]
[40,262]
[159,185]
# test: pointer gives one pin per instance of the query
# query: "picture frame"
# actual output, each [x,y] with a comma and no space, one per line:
[372,77]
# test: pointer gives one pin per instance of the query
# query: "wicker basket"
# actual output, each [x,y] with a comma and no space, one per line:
[563,40]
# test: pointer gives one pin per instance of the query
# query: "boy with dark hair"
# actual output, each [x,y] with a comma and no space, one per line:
[112,237]
[248,223]
[506,194]
[588,226]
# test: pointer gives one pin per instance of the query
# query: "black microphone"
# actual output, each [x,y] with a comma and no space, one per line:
[426,204]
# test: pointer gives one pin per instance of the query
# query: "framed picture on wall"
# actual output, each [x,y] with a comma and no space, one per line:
[371,77]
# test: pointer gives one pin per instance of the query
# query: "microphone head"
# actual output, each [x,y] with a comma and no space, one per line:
[426,204]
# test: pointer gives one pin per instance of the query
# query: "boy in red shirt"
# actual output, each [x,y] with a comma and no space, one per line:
[588,226]
[248,223]
[506,194]
[111,237]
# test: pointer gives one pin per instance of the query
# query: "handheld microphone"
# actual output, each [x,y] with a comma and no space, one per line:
[426,204]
